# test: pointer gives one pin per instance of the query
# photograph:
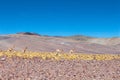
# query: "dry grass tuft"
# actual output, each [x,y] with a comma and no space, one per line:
[59,56]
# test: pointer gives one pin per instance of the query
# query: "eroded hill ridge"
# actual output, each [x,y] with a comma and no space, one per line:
[45,43]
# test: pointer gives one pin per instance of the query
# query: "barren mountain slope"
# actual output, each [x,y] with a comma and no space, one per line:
[47,43]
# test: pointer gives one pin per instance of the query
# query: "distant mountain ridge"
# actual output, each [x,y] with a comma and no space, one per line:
[28,33]
[46,43]
[72,36]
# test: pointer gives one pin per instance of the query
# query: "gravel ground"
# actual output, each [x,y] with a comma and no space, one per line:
[37,69]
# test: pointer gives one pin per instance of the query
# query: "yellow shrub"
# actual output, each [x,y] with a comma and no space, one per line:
[59,56]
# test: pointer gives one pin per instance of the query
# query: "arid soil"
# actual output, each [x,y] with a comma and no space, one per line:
[38,69]
[80,44]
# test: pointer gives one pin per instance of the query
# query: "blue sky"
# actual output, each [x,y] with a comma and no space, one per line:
[98,18]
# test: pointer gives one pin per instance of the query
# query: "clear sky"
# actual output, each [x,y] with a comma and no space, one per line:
[98,18]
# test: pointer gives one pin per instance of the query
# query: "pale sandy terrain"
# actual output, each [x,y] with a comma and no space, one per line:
[38,69]
[80,44]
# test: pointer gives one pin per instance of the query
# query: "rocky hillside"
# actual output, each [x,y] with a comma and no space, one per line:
[82,44]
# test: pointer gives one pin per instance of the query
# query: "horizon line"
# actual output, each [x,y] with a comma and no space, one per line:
[92,36]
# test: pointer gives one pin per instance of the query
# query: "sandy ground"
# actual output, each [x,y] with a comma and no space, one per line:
[50,44]
[38,69]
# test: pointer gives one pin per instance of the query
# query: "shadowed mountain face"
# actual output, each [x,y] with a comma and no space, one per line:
[81,44]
